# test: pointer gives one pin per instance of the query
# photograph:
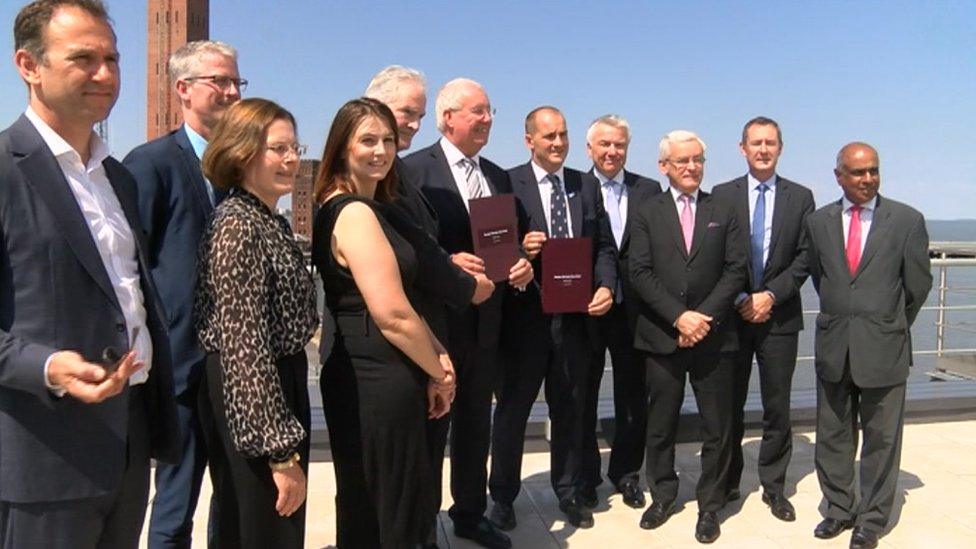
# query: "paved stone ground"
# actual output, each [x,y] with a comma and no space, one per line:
[935,506]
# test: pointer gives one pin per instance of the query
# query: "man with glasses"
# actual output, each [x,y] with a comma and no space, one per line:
[774,210]
[623,193]
[687,266]
[449,173]
[175,205]
[555,202]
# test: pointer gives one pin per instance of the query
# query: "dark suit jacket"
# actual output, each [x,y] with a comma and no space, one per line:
[428,171]
[588,219]
[868,316]
[670,281]
[175,210]
[785,269]
[55,294]
[639,189]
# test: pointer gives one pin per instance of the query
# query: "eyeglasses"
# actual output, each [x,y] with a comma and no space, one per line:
[222,83]
[480,112]
[282,149]
[685,162]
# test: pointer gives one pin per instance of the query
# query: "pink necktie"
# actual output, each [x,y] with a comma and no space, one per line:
[854,239]
[687,221]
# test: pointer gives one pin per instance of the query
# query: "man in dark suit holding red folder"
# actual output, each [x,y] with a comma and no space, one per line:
[687,265]
[449,173]
[553,202]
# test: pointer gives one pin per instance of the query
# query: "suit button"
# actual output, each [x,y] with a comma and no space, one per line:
[854,286]
[682,294]
[120,328]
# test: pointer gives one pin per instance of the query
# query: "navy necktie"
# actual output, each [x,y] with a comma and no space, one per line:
[558,218]
[758,238]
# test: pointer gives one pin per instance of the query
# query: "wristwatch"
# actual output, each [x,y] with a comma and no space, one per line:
[292,461]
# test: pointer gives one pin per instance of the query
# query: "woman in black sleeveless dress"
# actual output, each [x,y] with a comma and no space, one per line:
[387,373]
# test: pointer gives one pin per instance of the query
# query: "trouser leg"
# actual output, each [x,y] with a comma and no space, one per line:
[711,379]
[666,384]
[882,419]
[777,360]
[836,444]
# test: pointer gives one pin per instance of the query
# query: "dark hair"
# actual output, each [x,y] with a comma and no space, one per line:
[761,121]
[530,118]
[33,19]
[238,137]
[334,168]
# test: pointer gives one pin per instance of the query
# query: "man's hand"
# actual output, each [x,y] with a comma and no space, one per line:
[520,274]
[757,308]
[482,290]
[532,243]
[684,342]
[601,302]
[291,485]
[693,325]
[469,263]
[438,404]
[86,381]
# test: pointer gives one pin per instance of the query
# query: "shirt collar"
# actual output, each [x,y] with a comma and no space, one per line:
[59,147]
[540,174]
[869,205]
[619,178]
[197,141]
[454,154]
[754,183]
[675,194]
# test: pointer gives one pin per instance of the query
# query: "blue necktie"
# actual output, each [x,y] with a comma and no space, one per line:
[758,237]
[558,218]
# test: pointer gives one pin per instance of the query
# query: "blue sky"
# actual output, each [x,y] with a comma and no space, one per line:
[900,75]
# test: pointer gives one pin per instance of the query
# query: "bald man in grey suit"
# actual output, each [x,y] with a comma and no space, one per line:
[868,257]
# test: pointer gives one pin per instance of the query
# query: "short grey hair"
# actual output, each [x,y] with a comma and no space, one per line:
[385,85]
[184,62]
[449,98]
[676,136]
[611,120]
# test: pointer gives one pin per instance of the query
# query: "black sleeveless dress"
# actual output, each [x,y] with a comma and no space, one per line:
[375,406]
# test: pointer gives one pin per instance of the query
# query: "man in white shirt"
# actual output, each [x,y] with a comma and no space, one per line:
[77,426]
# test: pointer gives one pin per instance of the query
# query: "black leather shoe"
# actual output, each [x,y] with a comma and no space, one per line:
[707,529]
[732,495]
[502,515]
[586,495]
[484,533]
[831,528]
[632,493]
[863,538]
[576,514]
[779,506]
[656,515]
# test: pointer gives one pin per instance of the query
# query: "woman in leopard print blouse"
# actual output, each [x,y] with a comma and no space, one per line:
[255,312]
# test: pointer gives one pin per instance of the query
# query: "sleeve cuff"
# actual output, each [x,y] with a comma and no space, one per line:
[55,390]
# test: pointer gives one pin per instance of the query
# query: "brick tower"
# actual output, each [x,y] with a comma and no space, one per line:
[171,23]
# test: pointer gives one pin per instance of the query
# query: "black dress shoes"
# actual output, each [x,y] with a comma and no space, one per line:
[831,528]
[632,493]
[656,515]
[503,516]
[863,538]
[482,532]
[586,496]
[576,513]
[779,506]
[707,529]
[732,495]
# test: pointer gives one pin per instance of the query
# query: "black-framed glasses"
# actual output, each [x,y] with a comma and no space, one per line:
[282,149]
[223,83]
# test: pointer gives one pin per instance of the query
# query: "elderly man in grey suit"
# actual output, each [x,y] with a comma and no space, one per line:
[868,257]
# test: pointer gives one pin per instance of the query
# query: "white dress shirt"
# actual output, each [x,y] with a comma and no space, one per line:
[454,157]
[610,200]
[545,193]
[867,216]
[770,201]
[110,231]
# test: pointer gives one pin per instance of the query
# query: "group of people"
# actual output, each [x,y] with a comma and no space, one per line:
[160,308]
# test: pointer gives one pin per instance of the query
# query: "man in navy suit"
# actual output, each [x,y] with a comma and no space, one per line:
[623,192]
[175,205]
[554,202]
[774,210]
[77,425]
[687,265]
[449,173]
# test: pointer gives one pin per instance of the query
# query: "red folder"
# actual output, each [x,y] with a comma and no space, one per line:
[494,231]
[567,275]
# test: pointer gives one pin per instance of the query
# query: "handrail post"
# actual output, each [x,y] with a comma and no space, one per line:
[941,315]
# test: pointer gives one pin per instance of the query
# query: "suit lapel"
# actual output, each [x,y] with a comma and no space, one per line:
[879,226]
[835,233]
[574,200]
[635,194]
[124,192]
[532,201]
[444,178]
[194,174]
[703,215]
[669,211]
[780,204]
[742,198]
[43,173]
[491,184]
